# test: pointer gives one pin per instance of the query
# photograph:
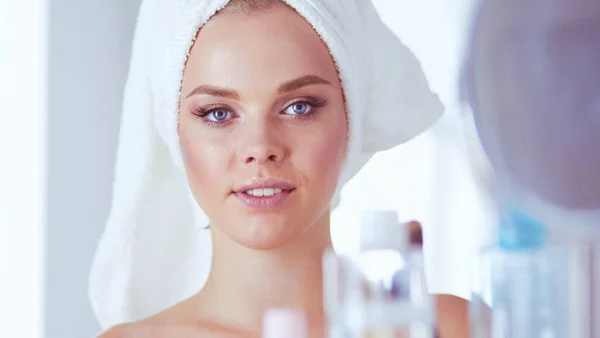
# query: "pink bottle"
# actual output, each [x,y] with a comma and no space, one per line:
[285,323]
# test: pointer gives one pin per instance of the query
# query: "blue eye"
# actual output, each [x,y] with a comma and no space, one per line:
[219,115]
[299,108]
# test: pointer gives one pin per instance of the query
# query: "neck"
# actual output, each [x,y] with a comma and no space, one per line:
[244,283]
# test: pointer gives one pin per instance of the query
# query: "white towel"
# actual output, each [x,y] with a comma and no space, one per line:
[153,252]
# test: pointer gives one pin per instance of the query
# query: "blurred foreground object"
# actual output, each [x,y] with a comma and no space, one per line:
[289,323]
[378,290]
[532,80]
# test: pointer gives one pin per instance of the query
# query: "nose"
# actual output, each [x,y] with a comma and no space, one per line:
[262,146]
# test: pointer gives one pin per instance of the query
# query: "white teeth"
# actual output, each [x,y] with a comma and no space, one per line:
[264,192]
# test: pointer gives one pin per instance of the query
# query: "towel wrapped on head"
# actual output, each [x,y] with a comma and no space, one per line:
[153,252]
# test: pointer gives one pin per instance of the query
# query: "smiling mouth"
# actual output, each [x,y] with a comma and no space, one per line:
[258,199]
[264,193]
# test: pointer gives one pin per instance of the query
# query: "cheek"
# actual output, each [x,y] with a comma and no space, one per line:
[201,172]
[323,153]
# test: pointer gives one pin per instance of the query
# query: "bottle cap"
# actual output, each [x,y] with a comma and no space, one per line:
[520,231]
[288,323]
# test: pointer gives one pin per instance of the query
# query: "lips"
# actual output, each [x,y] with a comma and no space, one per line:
[264,194]
[264,183]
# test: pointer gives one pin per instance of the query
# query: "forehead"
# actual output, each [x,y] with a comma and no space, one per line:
[277,43]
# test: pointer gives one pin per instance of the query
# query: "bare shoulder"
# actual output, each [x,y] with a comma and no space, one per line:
[150,329]
[118,331]
[179,321]
[453,316]
[163,324]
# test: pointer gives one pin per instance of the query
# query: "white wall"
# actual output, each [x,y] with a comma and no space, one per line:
[22,163]
[88,60]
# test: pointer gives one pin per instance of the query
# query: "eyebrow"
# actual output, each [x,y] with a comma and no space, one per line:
[304,81]
[214,91]
[300,82]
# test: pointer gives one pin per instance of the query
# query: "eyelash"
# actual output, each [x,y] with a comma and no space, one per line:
[313,103]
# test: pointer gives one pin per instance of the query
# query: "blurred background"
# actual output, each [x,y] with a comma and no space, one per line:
[62,70]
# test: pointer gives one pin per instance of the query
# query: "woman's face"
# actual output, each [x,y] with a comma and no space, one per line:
[263,128]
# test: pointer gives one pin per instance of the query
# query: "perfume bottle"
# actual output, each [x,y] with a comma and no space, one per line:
[525,283]
[378,290]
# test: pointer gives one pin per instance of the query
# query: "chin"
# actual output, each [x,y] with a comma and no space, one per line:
[264,233]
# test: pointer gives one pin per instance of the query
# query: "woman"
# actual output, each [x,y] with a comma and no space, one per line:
[257,112]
